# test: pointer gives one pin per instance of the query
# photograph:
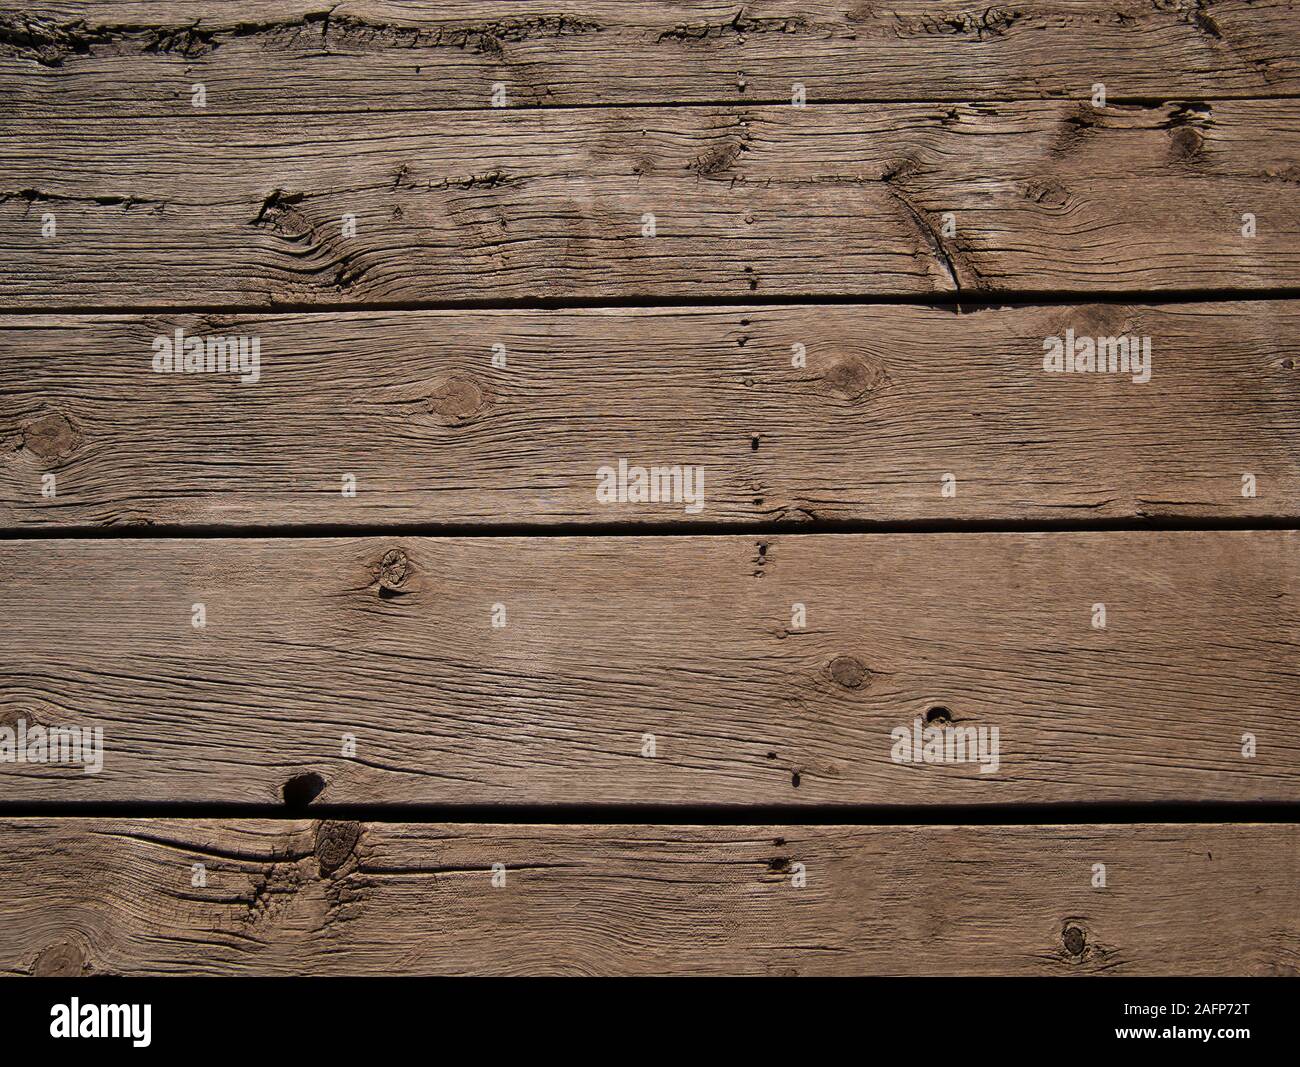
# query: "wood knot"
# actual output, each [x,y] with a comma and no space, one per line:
[853,377]
[849,672]
[1047,192]
[50,436]
[1074,939]
[9,717]
[1185,143]
[456,399]
[62,959]
[335,843]
[1098,320]
[393,569]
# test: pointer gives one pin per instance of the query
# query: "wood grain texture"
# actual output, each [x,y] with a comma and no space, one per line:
[350,195]
[748,202]
[690,639]
[114,896]
[891,398]
[109,57]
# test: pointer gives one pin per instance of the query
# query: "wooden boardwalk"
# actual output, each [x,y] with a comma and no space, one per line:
[650,488]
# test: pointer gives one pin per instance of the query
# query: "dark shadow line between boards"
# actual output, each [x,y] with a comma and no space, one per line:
[1027,815]
[738,528]
[959,301]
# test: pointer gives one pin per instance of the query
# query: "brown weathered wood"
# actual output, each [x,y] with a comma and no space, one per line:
[690,639]
[748,201]
[116,896]
[891,399]
[349,194]
[114,58]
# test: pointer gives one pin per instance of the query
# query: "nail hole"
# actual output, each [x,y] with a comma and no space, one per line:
[794,779]
[302,789]
[938,715]
[753,444]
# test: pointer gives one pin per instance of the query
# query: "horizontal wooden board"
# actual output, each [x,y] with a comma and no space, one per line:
[650,670]
[117,896]
[882,199]
[890,399]
[110,57]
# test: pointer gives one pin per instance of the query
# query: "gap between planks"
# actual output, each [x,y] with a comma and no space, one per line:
[959,302]
[739,528]
[667,815]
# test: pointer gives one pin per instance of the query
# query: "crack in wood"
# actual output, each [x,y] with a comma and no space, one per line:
[50,42]
[950,258]
[38,196]
[991,22]
[1195,13]
[739,25]
[280,214]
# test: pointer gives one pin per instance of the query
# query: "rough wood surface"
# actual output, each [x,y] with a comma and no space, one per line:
[115,57]
[115,896]
[690,639]
[349,193]
[1046,197]
[891,399]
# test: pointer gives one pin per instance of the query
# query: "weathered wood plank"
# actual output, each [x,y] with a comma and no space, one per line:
[116,896]
[891,398]
[108,57]
[747,201]
[695,641]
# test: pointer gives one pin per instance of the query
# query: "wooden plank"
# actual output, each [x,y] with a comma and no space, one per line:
[891,399]
[116,896]
[747,202]
[690,646]
[109,57]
